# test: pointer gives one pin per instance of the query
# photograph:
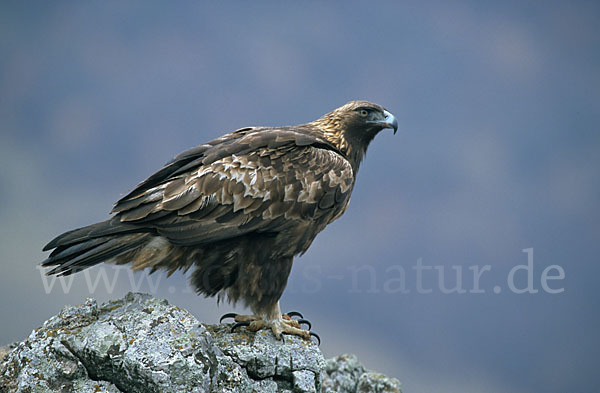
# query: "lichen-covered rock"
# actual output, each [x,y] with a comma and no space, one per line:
[345,374]
[295,364]
[142,344]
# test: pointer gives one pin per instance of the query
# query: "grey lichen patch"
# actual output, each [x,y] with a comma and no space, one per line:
[264,356]
[265,386]
[345,374]
[304,381]
[142,344]
[377,383]
[71,318]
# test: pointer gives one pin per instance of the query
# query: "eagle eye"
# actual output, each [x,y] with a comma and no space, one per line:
[363,112]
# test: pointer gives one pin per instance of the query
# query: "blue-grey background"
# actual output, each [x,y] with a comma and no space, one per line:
[498,151]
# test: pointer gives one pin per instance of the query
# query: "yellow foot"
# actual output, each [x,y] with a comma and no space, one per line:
[279,326]
[245,318]
[285,318]
[283,325]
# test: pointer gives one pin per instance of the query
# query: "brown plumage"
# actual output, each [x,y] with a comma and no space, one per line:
[236,209]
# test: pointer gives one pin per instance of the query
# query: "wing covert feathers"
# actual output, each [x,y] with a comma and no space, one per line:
[265,175]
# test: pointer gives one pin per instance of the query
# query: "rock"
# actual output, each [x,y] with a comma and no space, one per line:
[143,344]
[6,350]
[344,374]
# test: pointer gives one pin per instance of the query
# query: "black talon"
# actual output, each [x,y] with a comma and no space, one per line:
[301,321]
[239,324]
[294,314]
[315,335]
[228,315]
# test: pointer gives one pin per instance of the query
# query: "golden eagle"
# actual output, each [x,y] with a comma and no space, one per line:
[236,209]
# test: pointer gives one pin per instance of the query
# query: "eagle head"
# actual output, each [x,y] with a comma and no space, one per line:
[353,126]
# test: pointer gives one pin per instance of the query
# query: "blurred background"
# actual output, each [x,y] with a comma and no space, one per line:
[497,152]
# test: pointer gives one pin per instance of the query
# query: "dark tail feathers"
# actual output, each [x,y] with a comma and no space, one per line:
[84,247]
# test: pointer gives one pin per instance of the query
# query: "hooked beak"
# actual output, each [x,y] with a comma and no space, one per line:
[389,121]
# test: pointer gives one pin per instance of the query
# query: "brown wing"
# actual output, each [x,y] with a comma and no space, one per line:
[263,180]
